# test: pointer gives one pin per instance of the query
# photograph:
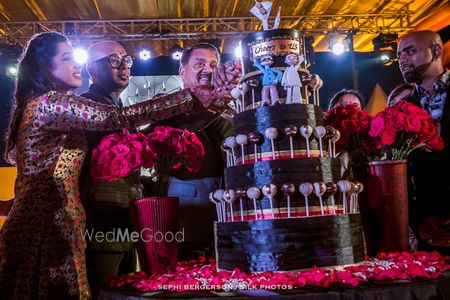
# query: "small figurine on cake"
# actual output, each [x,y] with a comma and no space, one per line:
[291,79]
[270,79]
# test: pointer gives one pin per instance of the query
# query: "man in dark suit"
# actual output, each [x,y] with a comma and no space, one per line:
[106,204]
[200,69]
[420,61]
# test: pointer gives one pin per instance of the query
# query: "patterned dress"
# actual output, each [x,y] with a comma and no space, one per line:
[42,242]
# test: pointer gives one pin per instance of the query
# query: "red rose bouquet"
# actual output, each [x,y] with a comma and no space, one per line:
[123,154]
[403,128]
[353,124]
[173,149]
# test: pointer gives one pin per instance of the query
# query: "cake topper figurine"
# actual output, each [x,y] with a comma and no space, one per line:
[270,78]
[242,140]
[306,189]
[261,10]
[291,79]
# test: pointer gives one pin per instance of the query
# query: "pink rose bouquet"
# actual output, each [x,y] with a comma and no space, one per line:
[403,128]
[165,149]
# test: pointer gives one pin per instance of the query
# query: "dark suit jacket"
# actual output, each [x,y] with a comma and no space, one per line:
[430,173]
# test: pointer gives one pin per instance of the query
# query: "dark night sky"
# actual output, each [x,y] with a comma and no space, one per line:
[334,70]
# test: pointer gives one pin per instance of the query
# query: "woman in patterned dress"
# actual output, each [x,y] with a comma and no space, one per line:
[41,243]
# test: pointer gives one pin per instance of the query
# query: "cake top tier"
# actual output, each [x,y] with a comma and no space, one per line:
[276,42]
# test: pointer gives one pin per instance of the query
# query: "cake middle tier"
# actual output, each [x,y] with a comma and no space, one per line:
[288,121]
[278,172]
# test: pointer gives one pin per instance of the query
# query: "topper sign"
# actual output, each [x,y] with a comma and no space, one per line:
[274,47]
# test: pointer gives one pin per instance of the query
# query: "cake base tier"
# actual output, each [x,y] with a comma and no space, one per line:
[289,244]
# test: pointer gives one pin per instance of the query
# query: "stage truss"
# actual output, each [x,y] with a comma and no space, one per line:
[203,28]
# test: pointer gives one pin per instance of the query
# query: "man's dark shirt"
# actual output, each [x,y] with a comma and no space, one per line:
[111,213]
[431,170]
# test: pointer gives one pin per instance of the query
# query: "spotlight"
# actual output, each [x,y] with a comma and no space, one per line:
[177,55]
[80,56]
[144,54]
[176,52]
[387,57]
[385,47]
[12,71]
[337,48]
[336,43]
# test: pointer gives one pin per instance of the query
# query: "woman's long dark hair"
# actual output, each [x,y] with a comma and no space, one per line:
[33,79]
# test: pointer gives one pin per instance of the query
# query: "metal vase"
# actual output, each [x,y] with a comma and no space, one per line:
[156,221]
[384,205]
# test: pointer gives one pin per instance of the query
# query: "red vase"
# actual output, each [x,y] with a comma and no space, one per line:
[156,221]
[384,205]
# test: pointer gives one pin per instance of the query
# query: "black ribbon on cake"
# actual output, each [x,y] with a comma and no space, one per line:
[289,244]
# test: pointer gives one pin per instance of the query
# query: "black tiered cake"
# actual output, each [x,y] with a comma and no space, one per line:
[287,203]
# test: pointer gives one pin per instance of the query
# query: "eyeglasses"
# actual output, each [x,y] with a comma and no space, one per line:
[115,60]
[267,59]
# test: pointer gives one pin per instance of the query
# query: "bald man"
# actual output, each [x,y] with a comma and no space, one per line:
[106,204]
[420,60]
